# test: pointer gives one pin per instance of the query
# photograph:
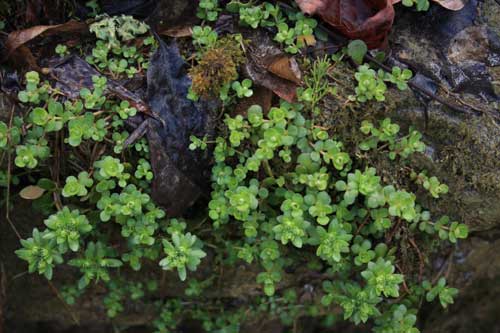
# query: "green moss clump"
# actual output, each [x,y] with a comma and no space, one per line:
[217,67]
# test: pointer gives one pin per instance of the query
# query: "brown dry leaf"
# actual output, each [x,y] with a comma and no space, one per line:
[262,53]
[369,20]
[261,96]
[286,68]
[31,192]
[177,32]
[18,38]
[309,40]
[448,4]
[23,56]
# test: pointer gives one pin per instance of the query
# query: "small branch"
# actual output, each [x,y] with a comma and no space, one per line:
[55,170]
[9,177]
[419,88]
[268,169]
[3,295]
[137,134]
[367,218]
[394,230]
[420,258]
[58,295]
[405,286]
[447,264]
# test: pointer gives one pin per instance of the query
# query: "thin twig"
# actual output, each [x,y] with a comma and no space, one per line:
[421,89]
[393,232]
[268,169]
[137,134]
[405,286]
[367,218]
[3,295]
[58,295]
[447,264]
[9,176]
[55,170]
[420,258]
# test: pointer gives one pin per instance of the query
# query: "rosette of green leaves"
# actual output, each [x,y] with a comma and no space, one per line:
[440,290]
[399,77]
[366,183]
[380,278]
[109,167]
[243,200]
[269,279]
[362,249]
[77,186]
[370,84]
[95,263]
[28,156]
[33,93]
[359,304]
[397,319]
[67,228]
[86,127]
[51,119]
[124,110]
[144,170]
[42,254]
[208,10]
[333,242]
[182,253]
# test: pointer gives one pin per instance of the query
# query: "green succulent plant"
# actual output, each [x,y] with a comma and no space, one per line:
[95,264]
[208,10]
[184,252]
[290,194]
[67,228]
[77,186]
[42,254]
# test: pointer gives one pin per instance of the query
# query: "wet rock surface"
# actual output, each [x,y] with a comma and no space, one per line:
[452,52]
[459,53]
[181,175]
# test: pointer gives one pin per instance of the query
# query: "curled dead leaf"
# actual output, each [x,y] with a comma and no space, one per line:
[262,54]
[18,38]
[31,192]
[285,67]
[368,20]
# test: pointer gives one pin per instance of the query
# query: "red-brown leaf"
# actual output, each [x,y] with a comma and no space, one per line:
[369,20]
